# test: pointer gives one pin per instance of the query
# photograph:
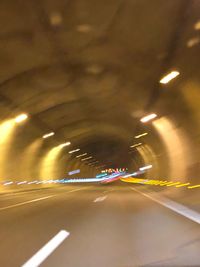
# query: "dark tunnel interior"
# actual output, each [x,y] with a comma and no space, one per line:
[92,85]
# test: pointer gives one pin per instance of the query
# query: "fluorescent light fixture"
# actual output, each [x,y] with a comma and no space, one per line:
[74,172]
[140,135]
[169,77]
[73,151]
[135,145]
[21,117]
[65,144]
[197,25]
[82,155]
[145,168]
[148,117]
[48,135]
[87,158]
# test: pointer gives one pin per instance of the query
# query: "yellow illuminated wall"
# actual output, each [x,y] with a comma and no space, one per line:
[177,146]
[28,159]
[6,134]
[48,165]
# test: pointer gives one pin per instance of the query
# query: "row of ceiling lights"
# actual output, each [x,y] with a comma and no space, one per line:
[166,79]
[195,40]
[22,117]
[74,151]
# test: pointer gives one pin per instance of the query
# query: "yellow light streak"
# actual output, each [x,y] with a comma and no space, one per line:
[183,185]
[194,186]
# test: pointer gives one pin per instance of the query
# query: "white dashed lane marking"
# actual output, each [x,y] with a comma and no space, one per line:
[47,249]
[99,199]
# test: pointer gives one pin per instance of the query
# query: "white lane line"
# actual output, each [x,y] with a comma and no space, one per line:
[47,249]
[35,200]
[172,205]
[74,190]
[26,202]
[99,199]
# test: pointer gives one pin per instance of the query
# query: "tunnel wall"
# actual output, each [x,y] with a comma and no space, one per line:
[24,156]
[174,136]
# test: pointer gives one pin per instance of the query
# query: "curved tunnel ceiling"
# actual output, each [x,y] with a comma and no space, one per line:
[89,70]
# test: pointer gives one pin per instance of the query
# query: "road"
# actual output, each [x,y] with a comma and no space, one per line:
[108,225]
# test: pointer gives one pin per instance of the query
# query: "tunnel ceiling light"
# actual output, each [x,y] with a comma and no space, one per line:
[148,117]
[56,19]
[87,158]
[145,168]
[65,144]
[197,25]
[82,155]
[135,145]
[21,117]
[48,135]
[140,135]
[169,77]
[73,151]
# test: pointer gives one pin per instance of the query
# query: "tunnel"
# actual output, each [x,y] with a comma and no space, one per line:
[88,86]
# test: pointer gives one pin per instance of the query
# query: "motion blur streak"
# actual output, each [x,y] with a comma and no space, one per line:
[177,146]
[90,89]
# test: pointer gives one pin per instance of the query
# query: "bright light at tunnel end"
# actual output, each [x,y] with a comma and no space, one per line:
[21,117]
[148,118]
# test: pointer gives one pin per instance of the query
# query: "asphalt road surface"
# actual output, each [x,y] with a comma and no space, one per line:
[104,226]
